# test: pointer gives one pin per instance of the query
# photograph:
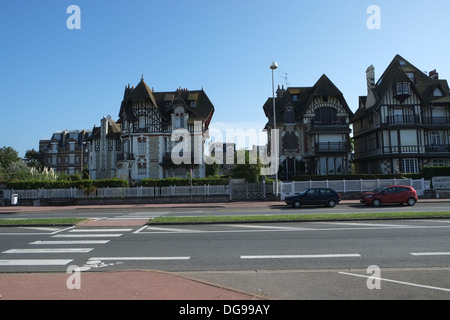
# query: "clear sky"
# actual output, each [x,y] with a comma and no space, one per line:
[54,78]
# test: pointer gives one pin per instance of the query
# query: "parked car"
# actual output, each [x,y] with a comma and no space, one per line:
[314,196]
[390,194]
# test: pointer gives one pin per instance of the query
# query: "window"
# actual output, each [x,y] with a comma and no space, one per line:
[439,163]
[402,88]
[142,147]
[142,122]
[325,116]
[410,166]
[437,93]
[436,138]
[289,115]
[142,168]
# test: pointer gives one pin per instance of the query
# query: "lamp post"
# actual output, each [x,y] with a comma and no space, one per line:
[273,67]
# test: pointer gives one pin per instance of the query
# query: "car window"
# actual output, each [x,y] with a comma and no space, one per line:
[313,192]
[325,192]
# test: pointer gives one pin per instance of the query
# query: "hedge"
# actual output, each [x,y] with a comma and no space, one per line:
[183,182]
[66,184]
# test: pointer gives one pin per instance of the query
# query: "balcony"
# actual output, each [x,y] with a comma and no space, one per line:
[402,119]
[125,156]
[436,121]
[332,147]
[445,148]
[403,149]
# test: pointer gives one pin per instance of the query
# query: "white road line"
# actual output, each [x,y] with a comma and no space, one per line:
[139,258]
[87,235]
[395,281]
[368,224]
[269,227]
[36,262]
[52,250]
[176,230]
[430,253]
[100,230]
[70,242]
[306,256]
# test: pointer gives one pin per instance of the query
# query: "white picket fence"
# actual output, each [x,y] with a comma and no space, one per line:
[137,192]
[344,186]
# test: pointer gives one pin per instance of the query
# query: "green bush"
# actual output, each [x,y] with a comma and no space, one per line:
[183,182]
[66,184]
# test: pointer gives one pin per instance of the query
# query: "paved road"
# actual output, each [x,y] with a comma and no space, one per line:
[420,279]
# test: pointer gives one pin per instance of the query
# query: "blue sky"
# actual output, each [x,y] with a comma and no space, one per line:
[53,78]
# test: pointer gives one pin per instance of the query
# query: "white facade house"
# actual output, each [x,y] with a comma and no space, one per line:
[139,144]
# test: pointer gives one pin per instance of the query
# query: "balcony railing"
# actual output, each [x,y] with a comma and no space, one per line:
[403,119]
[332,147]
[436,120]
[340,121]
[125,156]
[444,148]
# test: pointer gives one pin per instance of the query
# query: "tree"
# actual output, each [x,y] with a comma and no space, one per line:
[33,159]
[7,156]
[249,172]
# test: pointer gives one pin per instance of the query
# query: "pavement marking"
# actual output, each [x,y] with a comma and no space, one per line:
[396,281]
[52,250]
[36,262]
[306,256]
[430,253]
[87,235]
[70,242]
[139,258]
[100,230]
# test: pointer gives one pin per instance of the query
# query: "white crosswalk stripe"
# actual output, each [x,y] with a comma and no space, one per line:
[71,237]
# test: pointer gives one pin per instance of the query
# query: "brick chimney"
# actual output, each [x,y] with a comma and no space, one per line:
[434,75]
[280,92]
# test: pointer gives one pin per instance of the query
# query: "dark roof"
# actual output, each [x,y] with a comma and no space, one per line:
[114,130]
[165,102]
[305,95]
[397,71]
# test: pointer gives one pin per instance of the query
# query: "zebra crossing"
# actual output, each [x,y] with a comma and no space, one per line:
[60,249]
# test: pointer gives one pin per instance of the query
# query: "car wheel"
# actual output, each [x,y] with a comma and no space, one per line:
[411,202]
[376,202]
[297,204]
[332,203]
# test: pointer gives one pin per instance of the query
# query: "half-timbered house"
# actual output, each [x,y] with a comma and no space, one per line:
[143,147]
[314,132]
[403,122]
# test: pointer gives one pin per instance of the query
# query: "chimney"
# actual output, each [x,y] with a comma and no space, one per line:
[280,92]
[434,75]
[370,76]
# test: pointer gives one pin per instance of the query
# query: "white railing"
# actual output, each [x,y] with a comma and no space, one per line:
[138,192]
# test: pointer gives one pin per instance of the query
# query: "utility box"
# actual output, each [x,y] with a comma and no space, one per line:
[14,199]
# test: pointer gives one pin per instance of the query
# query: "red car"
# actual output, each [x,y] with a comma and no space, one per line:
[390,194]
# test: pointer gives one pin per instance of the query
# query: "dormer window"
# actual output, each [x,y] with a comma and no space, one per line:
[295,97]
[412,77]
[402,89]
[437,93]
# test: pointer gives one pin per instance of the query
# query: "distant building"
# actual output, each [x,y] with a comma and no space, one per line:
[314,129]
[403,123]
[64,152]
[139,144]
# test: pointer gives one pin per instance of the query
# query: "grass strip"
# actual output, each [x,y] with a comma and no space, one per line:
[25,222]
[299,217]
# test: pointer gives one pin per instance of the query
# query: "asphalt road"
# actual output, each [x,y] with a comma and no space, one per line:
[327,260]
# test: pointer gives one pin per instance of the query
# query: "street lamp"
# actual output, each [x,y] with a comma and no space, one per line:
[273,67]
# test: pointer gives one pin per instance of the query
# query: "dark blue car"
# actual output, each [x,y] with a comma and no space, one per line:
[314,196]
